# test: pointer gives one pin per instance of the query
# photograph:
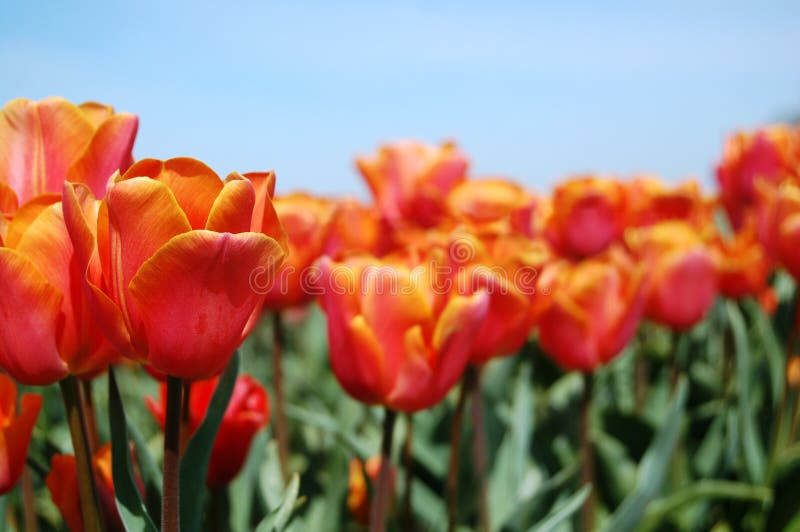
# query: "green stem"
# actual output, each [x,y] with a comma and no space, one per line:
[480,452]
[29,501]
[281,427]
[587,458]
[408,463]
[455,448]
[170,502]
[90,507]
[383,488]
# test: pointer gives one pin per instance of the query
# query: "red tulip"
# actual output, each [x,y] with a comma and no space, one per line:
[246,414]
[357,228]
[173,259]
[743,266]
[44,143]
[682,276]
[410,180]
[395,338]
[651,202]
[588,215]
[778,219]
[592,309]
[16,426]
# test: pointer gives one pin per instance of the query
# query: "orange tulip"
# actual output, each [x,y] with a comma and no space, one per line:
[682,280]
[396,339]
[496,203]
[179,254]
[651,202]
[44,143]
[771,154]
[410,180]
[592,310]
[307,221]
[247,413]
[742,263]
[587,216]
[357,228]
[54,335]
[62,483]
[778,215]
[16,427]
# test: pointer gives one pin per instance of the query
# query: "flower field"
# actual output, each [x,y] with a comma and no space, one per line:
[184,348]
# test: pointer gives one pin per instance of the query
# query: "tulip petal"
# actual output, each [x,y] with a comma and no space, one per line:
[265,218]
[196,298]
[16,438]
[96,112]
[109,151]
[233,209]
[28,340]
[194,185]
[412,389]
[40,141]
[8,199]
[26,214]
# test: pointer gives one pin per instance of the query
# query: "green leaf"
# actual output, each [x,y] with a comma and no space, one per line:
[563,512]
[772,348]
[194,462]
[654,465]
[279,517]
[131,508]
[753,451]
[243,488]
[151,474]
[706,489]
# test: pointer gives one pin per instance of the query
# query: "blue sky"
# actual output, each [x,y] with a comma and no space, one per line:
[533,91]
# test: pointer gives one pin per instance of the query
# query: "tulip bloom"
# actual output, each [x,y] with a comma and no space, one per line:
[771,154]
[357,228]
[682,280]
[47,330]
[651,202]
[44,143]
[62,483]
[742,264]
[307,221]
[16,427]
[395,339]
[410,180]
[592,309]
[778,219]
[588,215]
[178,252]
[246,414]
[488,201]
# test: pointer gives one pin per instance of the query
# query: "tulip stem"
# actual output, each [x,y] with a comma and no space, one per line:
[479,451]
[29,501]
[170,502]
[408,463]
[90,506]
[455,448]
[383,488]
[185,414]
[91,419]
[281,430]
[587,458]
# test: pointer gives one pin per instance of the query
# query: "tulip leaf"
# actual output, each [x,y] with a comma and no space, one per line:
[196,456]
[653,467]
[132,510]
[279,517]
[753,450]
[772,348]
[562,512]
[151,474]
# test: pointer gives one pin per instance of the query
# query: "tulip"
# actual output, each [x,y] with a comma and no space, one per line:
[357,228]
[742,264]
[651,202]
[771,154]
[16,427]
[489,201]
[358,503]
[593,308]
[410,180]
[778,222]
[55,336]
[395,340]
[307,221]
[588,215]
[682,280]
[62,483]
[178,254]
[44,143]
[246,414]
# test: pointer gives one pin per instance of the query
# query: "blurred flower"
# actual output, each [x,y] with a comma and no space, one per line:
[410,180]
[651,202]
[246,414]
[768,300]
[62,483]
[587,216]
[307,221]
[495,205]
[358,503]
[16,427]
[742,264]
[357,228]
[180,256]
[682,277]
[778,213]
[396,339]
[593,309]
[44,143]
[770,154]
[793,372]
[55,335]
